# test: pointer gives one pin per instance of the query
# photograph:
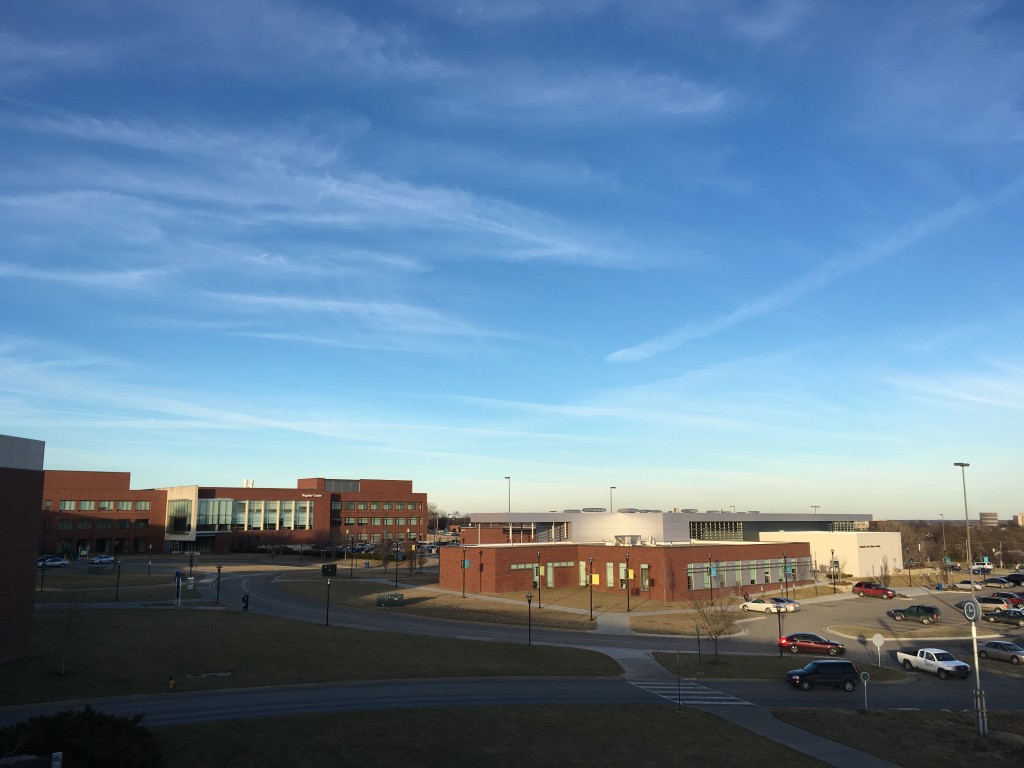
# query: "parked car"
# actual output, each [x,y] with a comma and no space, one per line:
[1008,616]
[786,604]
[1002,650]
[101,560]
[811,643]
[969,585]
[1015,598]
[926,614]
[993,604]
[873,589]
[51,562]
[1017,579]
[935,660]
[761,606]
[998,581]
[834,673]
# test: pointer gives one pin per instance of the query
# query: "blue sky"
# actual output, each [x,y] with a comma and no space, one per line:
[731,254]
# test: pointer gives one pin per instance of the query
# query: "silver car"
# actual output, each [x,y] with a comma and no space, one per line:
[1002,650]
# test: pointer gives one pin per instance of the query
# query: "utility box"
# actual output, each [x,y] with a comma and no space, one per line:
[329,569]
[389,599]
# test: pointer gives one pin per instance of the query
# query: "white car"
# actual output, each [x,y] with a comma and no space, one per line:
[968,584]
[761,606]
[786,604]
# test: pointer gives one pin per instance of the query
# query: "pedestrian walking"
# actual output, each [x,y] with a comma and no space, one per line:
[245,602]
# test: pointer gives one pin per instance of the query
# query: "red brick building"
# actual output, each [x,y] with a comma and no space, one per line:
[21,488]
[87,513]
[666,573]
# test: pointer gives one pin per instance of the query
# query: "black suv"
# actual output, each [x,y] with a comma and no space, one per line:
[926,614]
[838,674]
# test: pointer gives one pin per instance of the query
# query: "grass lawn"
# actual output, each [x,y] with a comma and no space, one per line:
[113,653]
[597,736]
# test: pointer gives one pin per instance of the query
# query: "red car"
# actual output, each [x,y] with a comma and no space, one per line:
[811,643]
[1014,598]
[873,589]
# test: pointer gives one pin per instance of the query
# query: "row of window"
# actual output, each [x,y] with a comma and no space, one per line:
[378,521]
[88,523]
[68,505]
[387,506]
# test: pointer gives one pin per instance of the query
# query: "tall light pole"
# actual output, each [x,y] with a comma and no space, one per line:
[711,583]
[510,541]
[627,582]
[611,504]
[218,583]
[945,572]
[590,582]
[967,521]
[327,617]
[539,578]
[832,570]
[465,567]
[529,619]
[815,507]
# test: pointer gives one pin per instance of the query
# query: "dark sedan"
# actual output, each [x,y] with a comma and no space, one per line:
[810,643]
[1008,616]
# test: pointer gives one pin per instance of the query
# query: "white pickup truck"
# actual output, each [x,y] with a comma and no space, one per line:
[935,660]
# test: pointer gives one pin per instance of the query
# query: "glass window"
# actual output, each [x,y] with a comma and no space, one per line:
[399,521]
[399,505]
[362,505]
[609,575]
[87,506]
[364,521]
[104,524]
[350,521]
[142,506]
[374,505]
[350,505]
[67,506]
[389,521]
[376,521]
[64,525]
[124,523]
[47,505]
[387,505]
[142,523]
[124,506]
[106,506]
[84,523]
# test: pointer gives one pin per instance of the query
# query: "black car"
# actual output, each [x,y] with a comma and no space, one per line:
[926,614]
[1017,579]
[837,674]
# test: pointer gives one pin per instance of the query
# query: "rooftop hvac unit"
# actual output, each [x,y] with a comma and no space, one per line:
[691,511]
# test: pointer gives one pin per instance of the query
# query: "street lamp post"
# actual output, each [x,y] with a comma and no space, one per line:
[945,570]
[397,551]
[611,505]
[464,569]
[351,560]
[540,578]
[529,619]
[327,618]
[832,570]
[510,540]
[967,521]
[117,588]
[785,575]
[778,615]
[590,583]
[627,582]
[218,583]
[910,573]
[711,576]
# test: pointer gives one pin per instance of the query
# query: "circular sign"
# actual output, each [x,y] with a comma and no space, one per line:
[972,609]
[878,640]
[865,676]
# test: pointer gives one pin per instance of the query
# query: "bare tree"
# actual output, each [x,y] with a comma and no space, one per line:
[713,619]
[885,571]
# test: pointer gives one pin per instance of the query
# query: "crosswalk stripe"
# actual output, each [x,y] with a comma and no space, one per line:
[687,692]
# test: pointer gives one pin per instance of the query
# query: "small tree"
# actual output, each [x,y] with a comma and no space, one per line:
[885,571]
[713,619]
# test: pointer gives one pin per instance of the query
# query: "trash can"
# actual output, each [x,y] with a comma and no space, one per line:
[329,569]
[389,599]
[939,586]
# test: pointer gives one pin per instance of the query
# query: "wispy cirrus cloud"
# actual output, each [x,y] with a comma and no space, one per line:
[132,279]
[822,276]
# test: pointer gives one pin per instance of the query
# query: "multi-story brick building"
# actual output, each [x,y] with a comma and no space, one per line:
[21,488]
[98,512]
